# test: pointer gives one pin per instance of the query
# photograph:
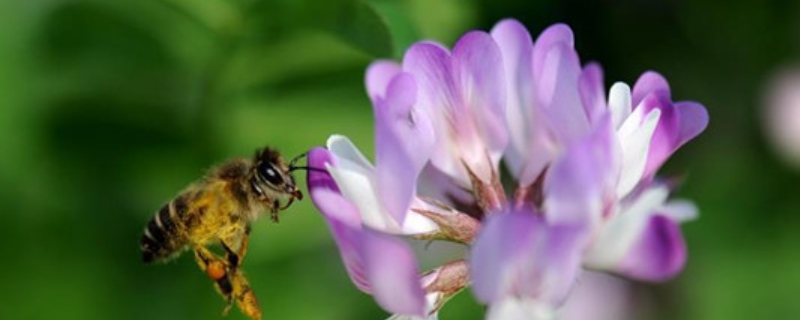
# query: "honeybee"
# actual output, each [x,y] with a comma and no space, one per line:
[219,209]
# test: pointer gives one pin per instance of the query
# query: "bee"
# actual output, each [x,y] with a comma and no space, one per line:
[219,209]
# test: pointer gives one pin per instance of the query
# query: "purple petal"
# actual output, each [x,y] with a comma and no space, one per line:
[342,216]
[393,273]
[659,253]
[502,246]
[648,83]
[438,95]
[578,183]
[404,140]
[693,120]
[557,92]
[592,90]
[477,67]
[529,140]
[665,137]
[557,34]
[378,76]
[518,255]
[679,123]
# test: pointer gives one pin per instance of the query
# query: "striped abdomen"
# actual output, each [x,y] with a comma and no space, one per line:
[161,238]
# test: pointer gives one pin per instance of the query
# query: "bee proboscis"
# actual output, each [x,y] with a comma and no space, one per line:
[219,209]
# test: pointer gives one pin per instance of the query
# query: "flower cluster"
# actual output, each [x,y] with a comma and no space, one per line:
[581,192]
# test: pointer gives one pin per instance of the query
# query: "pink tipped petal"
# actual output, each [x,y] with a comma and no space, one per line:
[648,83]
[577,184]
[592,91]
[393,273]
[478,70]
[404,140]
[378,76]
[557,84]
[341,215]
[693,120]
[659,253]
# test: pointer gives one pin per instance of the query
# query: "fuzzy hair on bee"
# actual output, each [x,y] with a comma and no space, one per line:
[219,209]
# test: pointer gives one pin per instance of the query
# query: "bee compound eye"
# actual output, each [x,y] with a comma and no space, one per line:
[269,173]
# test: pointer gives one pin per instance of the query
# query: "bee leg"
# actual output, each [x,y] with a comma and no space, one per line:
[234,259]
[218,271]
[244,295]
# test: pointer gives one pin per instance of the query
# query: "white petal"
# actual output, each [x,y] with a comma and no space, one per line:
[416,223]
[680,210]
[621,231]
[431,299]
[355,176]
[341,147]
[634,137]
[404,317]
[520,309]
[619,103]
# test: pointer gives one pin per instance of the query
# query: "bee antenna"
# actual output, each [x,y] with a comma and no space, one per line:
[293,163]
[293,168]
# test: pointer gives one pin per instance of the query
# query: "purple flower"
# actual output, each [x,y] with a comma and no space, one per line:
[583,162]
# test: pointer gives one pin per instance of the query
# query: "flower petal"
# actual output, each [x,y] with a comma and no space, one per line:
[404,141]
[640,242]
[378,76]
[477,67]
[520,309]
[556,70]
[530,148]
[592,91]
[693,120]
[578,183]
[621,230]
[355,177]
[341,216]
[557,92]
[439,96]
[619,103]
[557,34]
[659,253]
[393,273]
[648,83]
[518,255]
[600,296]
[634,136]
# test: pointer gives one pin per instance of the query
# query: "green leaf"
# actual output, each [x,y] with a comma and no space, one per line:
[359,24]
[354,21]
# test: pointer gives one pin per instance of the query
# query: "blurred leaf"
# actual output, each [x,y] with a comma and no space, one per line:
[354,21]
[359,24]
[401,23]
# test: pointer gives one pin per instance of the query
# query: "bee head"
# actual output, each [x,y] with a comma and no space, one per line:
[272,178]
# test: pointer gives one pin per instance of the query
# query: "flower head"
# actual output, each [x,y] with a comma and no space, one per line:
[583,164]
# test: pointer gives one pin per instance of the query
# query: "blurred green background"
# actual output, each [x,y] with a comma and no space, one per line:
[108,108]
